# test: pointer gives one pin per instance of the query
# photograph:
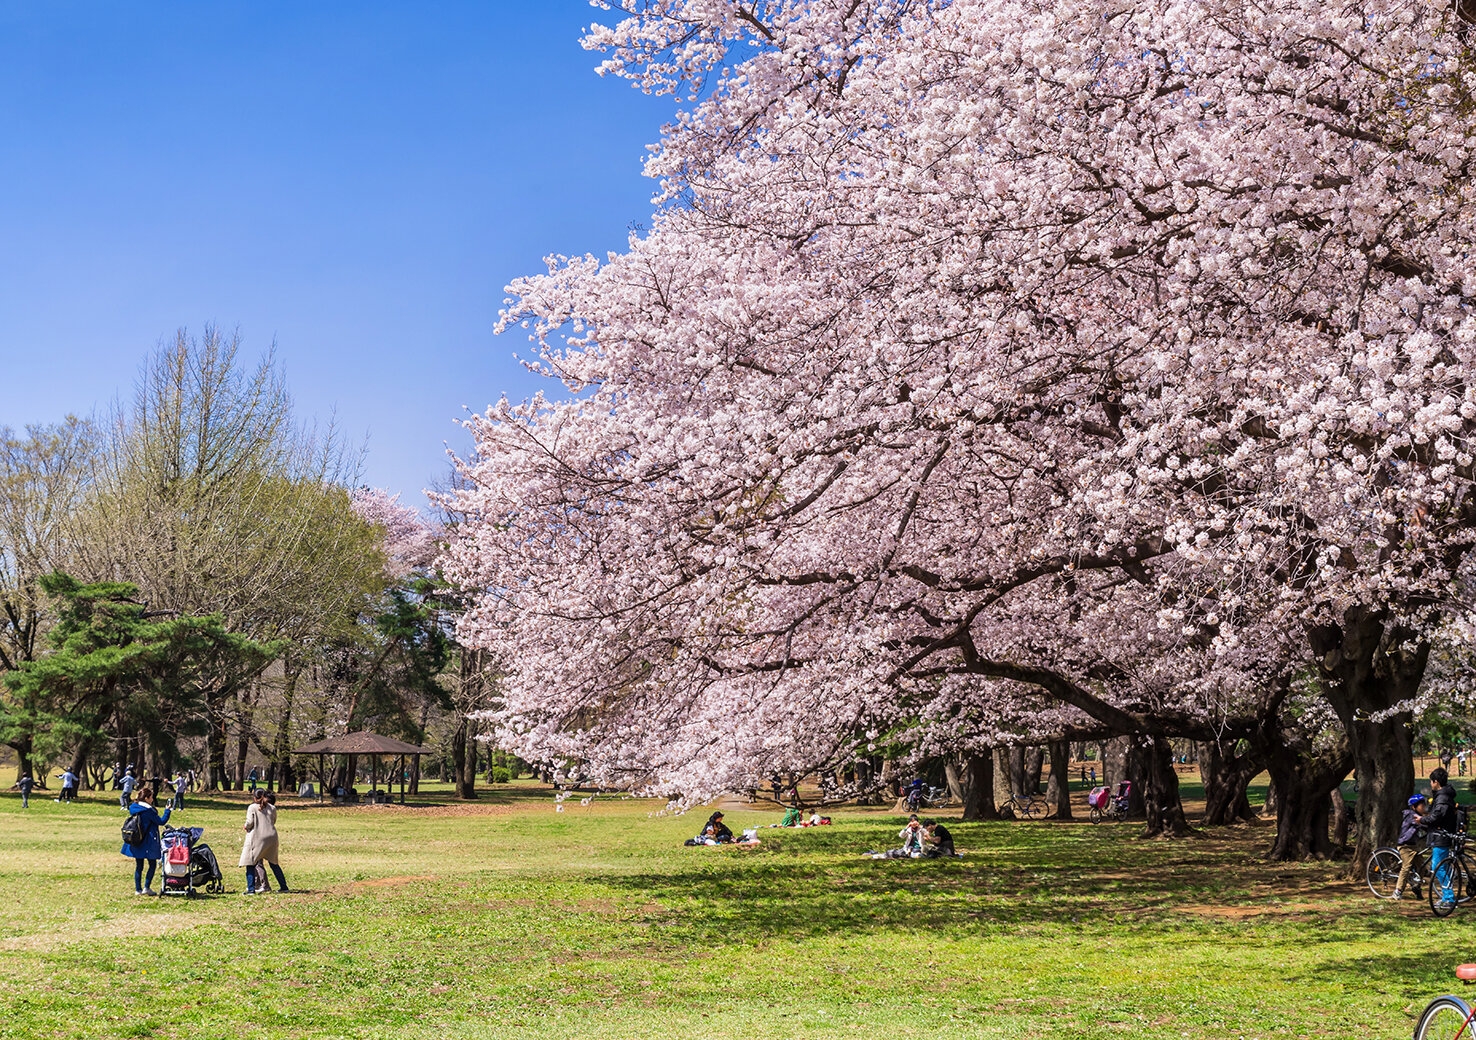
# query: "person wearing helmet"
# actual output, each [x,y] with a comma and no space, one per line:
[1409,841]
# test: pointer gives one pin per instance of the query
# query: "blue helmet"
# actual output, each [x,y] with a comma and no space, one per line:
[1415,799]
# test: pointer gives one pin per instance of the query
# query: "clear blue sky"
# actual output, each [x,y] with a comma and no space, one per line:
[356,181]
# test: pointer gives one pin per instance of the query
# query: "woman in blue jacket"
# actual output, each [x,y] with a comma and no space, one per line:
[150,848]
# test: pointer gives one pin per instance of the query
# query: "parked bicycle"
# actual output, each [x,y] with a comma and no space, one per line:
[920,797]
[1448,1017]
[1022,805]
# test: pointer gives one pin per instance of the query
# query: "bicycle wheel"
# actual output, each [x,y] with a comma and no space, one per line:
[1383,872]
[1445,887]
[1468,890]
[1096,815]
[1444,1018]
[1028,808]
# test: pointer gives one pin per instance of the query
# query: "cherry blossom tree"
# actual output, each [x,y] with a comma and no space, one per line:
[1113,357]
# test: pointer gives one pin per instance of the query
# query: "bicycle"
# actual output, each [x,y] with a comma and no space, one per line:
[1384,865]
[1453,875]
[918,797]
[1448,1017]
[1020,805]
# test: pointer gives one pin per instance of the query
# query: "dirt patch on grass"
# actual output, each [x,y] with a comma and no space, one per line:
[388,882]
[128,926]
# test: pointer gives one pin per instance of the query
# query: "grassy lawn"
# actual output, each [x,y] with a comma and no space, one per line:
[507,919]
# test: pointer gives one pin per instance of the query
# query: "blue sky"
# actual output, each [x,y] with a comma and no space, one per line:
[356,182]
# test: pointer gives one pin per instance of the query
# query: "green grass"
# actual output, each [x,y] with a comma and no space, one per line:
[511,920]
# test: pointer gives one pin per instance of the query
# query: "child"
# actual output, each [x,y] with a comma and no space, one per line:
[1409,841]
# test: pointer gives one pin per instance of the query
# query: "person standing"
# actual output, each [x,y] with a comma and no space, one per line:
[178,783]
[26,785]
[269,848]
[1440,823]
[261,841]
[148,849]
[69,786]
[126,789]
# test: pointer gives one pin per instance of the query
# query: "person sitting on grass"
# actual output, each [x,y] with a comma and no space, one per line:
[792,817]
[1411,826]
[912,842]
[715,831]
[937,841]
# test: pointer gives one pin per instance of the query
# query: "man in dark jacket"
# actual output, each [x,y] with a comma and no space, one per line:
[1441,823]
[938,842]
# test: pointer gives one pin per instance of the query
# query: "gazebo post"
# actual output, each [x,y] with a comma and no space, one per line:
[320,778]
[402,779]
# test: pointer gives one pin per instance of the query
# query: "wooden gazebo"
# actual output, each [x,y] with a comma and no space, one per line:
[375,745]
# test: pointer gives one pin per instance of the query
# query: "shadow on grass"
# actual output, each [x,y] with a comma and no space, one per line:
[818,882]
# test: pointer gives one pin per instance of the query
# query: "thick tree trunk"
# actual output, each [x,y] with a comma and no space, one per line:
[1034,765]
[976,775]
[1058,791]
[1368,666]
[1017,771]
[1227,771]
[1164,810]
[1302,781]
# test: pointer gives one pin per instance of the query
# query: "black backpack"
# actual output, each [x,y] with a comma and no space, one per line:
[133,830]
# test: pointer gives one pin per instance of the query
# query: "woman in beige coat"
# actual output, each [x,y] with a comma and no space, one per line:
[261,843]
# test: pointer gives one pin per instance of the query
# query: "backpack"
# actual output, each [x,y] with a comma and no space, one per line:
[133,830]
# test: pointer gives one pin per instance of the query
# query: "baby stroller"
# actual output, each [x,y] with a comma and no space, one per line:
[189,865]
[1106,805]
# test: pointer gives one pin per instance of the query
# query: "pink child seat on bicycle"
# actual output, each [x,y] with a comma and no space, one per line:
[1097,799]
[1466,972]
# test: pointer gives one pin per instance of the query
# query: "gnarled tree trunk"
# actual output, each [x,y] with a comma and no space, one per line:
[1368,666]
[1227,771]
[1161,803]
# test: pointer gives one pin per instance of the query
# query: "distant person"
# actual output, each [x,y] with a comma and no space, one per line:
[1411,829]
[69,786]
[126,789]
[147,849]
[261,840]
[26,785]
[937,841]
[178,785]
[251,780]
[1094,776]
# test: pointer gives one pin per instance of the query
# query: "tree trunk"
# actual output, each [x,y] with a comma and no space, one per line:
[1226,776]
[281,741]
[1058,791]
[215,741]
[1034,766]
[1161,804]
[463,765]
[1368,665]
[976,783]
[1017,771]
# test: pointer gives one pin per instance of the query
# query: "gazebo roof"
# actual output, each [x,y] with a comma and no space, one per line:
[362,744]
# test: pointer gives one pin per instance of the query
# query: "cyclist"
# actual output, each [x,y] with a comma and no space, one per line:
[1441,823]
[1410,826]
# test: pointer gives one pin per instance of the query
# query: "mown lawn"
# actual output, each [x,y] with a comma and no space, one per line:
[509,919]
